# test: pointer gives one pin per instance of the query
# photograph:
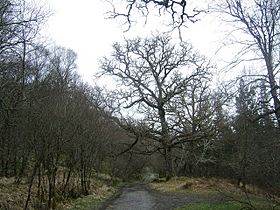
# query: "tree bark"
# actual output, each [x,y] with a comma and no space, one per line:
[169,164]
[30,186]
[273,90]
[169,172]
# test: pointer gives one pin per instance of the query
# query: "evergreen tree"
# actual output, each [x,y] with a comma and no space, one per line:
[245,129]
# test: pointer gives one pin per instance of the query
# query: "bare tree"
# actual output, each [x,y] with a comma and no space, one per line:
[179,11]
[195,112]
[20,23]
[260,19]
[151,74]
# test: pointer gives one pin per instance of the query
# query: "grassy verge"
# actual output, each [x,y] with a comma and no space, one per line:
[199,186]
[227,206]
[96,198]
[213,206]
[85,203]
[234,197]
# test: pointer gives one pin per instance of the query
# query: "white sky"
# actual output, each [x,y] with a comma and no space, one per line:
[81,26]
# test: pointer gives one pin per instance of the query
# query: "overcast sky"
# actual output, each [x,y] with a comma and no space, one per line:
[81,26]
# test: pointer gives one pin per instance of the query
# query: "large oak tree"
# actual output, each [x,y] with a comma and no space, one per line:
[151,75]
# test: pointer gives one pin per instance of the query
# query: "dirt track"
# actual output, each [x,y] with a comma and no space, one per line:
[141,197]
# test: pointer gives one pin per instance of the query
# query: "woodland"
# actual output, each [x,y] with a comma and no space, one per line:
[56,131]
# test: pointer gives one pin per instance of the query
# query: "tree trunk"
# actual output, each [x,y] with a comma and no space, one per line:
[169,168]
[169,164]
[67,180]
[22,169]
[273,86]
[30,186]
[275,101]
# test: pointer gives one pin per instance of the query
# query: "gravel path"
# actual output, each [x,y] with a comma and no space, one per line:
[134,198]
[141,197]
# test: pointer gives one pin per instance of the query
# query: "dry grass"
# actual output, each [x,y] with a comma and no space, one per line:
[197,185]
[91,201]
[235,198]
[12,196]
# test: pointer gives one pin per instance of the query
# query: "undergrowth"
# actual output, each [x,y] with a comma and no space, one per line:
[13,196]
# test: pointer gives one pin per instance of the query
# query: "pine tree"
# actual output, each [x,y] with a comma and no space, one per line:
[245,130]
